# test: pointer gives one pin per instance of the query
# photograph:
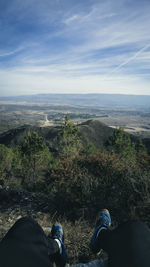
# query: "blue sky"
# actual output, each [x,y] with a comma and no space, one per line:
[74,46]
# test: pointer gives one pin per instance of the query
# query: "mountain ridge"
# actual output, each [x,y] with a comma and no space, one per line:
[119,100]
[91,132]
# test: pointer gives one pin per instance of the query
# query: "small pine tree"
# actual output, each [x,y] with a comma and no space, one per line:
[6,158]
[70,142]
[90,149]
[35,155]
[120,143]
[140,147]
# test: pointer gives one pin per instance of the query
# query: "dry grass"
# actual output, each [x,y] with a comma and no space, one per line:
[77,234]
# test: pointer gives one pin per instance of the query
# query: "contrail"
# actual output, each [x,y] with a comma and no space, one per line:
[130,59]
[11,52]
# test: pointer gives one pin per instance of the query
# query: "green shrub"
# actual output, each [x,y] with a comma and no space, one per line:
[100,180]
[6,158]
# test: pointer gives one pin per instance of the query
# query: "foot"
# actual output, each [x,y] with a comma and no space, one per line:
[57,232]
[104,219]
[103,223]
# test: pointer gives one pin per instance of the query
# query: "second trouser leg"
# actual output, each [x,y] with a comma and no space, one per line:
[57,236]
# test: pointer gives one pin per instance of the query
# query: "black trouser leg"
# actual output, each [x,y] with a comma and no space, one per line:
[26,244]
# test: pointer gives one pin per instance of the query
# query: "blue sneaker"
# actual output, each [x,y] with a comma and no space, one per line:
[57,233]
[104,219]
[103,223]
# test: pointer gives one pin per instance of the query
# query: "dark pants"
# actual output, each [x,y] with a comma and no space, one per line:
[127,246]
[26,245]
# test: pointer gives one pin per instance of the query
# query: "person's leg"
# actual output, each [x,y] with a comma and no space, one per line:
[102,224]
[127,245]
[27,230]
[57,235]
[26,243]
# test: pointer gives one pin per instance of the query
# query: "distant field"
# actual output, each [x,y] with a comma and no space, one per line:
[14,114]
[135,130]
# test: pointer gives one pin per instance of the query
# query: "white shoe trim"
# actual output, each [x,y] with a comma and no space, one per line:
[101,228]
[59,244]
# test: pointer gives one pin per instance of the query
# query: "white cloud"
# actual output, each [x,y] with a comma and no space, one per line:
[23,82]
[71,19]
[78,49]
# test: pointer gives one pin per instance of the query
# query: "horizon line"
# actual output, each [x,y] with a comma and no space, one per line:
[38,94]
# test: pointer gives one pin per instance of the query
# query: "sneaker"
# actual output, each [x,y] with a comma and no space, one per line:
[103,223]
[104,219]
[57,232]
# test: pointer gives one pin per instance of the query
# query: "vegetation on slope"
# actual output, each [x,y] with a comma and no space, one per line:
[80,176]
[78,179]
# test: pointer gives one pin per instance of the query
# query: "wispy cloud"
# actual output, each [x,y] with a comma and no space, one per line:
[44,42]
[131,58]
[71,19]
[9,53]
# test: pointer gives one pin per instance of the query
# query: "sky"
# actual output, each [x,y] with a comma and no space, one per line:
[74,46]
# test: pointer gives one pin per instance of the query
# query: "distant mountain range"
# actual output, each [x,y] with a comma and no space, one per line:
[112,100]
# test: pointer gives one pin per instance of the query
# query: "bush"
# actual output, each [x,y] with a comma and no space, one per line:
[120,143]
[35,157]
[101,180]
[6,158]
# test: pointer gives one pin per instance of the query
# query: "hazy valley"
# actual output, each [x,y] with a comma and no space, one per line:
[129,112]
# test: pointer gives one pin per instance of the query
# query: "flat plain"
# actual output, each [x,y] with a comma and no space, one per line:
[14,114]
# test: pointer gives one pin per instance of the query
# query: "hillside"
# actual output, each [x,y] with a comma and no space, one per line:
[91,131]
[95,132]
[68,173]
